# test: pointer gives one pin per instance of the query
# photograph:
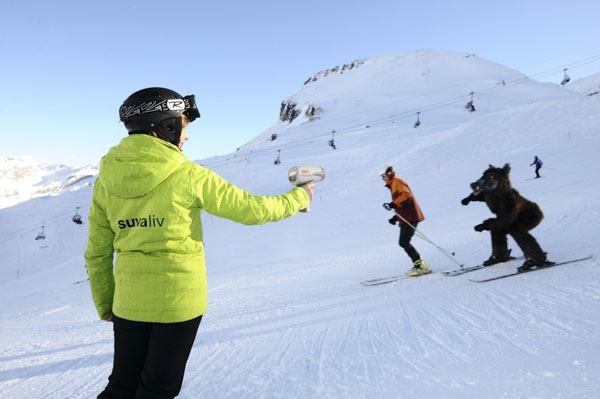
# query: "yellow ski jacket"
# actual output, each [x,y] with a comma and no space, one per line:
[146,207]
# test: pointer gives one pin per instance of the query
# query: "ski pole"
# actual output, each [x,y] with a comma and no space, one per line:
[427,239]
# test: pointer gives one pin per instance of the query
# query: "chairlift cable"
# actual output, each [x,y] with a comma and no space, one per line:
[33,227]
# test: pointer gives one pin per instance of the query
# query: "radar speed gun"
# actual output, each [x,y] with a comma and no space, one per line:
[300,175]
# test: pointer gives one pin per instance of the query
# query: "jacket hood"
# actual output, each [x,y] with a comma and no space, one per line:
[137,165]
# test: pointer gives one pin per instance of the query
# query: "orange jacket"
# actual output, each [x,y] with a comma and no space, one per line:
[404,201]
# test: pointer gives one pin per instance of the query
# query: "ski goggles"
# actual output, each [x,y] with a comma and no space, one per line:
[185,105]
[191,111]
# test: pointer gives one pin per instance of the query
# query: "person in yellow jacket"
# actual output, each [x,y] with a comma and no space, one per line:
[408,214]
[146,207]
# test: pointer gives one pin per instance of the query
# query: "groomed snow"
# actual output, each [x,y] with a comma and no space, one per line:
[288,317]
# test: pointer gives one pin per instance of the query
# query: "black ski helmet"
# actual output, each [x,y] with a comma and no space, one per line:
[157,110]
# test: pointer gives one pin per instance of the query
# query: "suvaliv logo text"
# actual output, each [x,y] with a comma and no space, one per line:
[150,221]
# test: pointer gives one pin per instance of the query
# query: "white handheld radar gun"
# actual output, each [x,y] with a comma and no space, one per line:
[300,175]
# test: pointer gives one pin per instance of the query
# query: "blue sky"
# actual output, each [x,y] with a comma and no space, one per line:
[68,65]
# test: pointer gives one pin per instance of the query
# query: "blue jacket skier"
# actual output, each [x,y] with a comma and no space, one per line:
[538,165]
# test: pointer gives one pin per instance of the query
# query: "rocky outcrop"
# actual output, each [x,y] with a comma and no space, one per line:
[289,111]
[336,69]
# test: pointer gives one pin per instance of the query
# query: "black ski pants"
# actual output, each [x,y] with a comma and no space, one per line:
[150,358]
[406,234]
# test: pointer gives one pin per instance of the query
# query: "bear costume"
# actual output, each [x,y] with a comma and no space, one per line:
[515,215]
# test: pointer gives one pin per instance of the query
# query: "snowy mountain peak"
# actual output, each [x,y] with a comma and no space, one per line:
[23,178]
[436,84]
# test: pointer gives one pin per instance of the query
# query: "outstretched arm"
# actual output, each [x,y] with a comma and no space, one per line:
[220,198]
[472,197]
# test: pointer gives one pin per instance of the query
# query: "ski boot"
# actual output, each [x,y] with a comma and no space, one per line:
[531,263]
[420,267]
[498,258]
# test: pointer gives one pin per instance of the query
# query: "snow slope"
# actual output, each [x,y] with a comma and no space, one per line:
[287,315]
[589,86]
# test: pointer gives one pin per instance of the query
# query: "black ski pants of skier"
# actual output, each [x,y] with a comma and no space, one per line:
[150,358]
[406,234]
[537,171]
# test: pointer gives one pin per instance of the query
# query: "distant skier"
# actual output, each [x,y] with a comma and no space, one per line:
[408,214]
[538,165]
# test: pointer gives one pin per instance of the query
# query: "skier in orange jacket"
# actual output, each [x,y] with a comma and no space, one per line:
[408,214]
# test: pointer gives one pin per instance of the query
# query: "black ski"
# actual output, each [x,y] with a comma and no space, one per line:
[546,266]
[387,280]
[464,270]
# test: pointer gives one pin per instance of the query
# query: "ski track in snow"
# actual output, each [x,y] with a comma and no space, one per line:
[345,341]
[374,352]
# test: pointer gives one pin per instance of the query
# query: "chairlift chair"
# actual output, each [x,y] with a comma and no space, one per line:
[331,142]
[469,106]
[77,217]
[41,235]
[566,78]
[278,161]
[418,122]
